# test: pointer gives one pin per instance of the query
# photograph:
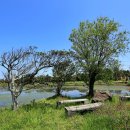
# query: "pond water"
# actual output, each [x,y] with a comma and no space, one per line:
[73,93]
[29,95]
[24,98]
[120,92]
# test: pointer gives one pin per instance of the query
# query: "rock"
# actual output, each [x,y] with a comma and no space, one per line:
[101,97]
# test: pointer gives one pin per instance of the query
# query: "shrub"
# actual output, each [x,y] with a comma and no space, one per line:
[128,83]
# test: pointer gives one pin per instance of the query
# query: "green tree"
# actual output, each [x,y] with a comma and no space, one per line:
[63,68]
[116,70]
[43,79]
[96,44]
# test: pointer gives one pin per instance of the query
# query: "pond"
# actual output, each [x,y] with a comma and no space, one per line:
[29,95]
[73,93]
[24,98]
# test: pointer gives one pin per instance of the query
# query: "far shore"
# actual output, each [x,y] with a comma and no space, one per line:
[76,85]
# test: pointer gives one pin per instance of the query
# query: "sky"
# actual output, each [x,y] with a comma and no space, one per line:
[47,24]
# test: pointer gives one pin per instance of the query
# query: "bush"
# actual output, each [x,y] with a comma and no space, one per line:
[128,83]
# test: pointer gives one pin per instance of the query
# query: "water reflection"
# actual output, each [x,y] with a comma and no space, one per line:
[119,92]
[73,93]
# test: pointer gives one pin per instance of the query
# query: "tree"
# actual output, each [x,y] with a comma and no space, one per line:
[124,74]
[63,68]
[96,44]
[21,67]
[116,70]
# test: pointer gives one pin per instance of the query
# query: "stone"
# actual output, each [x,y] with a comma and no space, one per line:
[101,97]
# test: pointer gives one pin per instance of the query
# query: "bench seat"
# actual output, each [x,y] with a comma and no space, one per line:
[72,109]
[124,97]
[72,101]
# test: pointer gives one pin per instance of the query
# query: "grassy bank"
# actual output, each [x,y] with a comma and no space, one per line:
[73,85]
[3,85]
[44,115]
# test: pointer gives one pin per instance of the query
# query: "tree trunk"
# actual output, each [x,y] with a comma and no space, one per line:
[58,88]
[91,84]
[14,101]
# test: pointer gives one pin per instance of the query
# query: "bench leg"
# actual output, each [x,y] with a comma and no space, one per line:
[69,113]
[58,104]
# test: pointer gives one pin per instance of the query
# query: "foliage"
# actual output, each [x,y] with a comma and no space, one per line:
[96,45]
[42,79]
[128,83]
[3,84]
[63,69]
[44,115]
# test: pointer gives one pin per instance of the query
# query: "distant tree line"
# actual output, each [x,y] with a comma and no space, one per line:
[115,75]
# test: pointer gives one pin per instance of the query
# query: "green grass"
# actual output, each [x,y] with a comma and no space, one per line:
[44,115]
[3,85]
[99,85]
[80,85]
[128,83]
[74,83]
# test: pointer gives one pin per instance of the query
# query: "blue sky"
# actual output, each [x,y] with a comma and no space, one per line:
[47,24]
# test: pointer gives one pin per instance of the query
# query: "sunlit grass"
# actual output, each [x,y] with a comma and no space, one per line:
[44,115]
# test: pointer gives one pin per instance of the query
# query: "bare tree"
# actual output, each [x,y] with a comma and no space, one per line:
[21,66]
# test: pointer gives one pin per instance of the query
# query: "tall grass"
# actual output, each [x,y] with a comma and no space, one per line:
[44,115]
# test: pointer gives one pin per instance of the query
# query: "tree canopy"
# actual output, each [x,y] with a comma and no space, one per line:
[63,68]
[96,44]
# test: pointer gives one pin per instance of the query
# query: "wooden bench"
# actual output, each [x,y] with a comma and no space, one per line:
[124,98]
[72,101]
[72,109]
